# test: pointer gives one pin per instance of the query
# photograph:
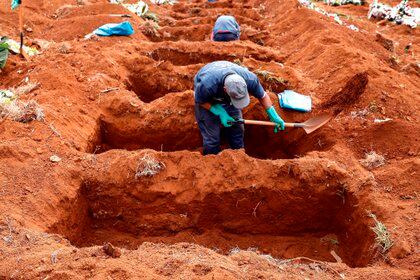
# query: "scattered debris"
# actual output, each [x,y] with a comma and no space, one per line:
[400,14]
[344,2]
[234,250]
[27,88]
[55,158]
[254,213]
[148,166]
[299,259]
[109,89]
[382,120]
[112,251]
[140,8]
[15,47]
[120,15]
[336,257]
[54,256]
[383,237]
[17,110]
[6,96]
[42,44]
[163,2]
[9,238]
[359,114]
[308,4]
[372,160]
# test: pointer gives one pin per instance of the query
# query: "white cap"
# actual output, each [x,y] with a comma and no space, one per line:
[237,89]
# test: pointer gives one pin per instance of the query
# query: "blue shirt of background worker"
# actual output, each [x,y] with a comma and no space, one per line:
[226,29]
[221,91]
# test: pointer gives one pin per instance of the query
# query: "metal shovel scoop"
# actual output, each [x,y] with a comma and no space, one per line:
[309,126]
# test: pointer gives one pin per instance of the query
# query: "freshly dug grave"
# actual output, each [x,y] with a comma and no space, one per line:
[282,208]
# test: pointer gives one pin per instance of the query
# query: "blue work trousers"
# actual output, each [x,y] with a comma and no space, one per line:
[211,128]
[225,37]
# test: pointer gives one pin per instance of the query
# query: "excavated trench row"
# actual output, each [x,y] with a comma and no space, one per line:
[177,130]
[297,217]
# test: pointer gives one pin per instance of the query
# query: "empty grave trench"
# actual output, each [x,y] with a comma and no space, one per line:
[260,142]
[284,223]
[151,80]
[189,57]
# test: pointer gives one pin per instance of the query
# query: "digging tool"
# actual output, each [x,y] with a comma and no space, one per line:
[21,50]
[309,126]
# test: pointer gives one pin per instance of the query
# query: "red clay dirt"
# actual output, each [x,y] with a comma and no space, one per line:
[133,198]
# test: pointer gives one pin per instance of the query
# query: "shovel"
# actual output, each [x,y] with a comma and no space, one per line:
[309,126]
[21,50]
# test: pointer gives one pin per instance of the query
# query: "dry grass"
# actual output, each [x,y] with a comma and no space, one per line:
[25,89]
[148,166]
[383,237]
[21,111]
[372,160]
[270,77]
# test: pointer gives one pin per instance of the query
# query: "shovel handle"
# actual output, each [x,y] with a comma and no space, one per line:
[266,123]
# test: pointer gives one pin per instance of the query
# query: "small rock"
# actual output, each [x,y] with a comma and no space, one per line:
[400,249]
[111,250]
[411,153]
[39,150]
[55,158]
[64,48]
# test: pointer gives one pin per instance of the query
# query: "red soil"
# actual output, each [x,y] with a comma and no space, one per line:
[273,211]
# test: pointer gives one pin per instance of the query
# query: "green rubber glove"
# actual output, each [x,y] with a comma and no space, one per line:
[218,110]
[274,117]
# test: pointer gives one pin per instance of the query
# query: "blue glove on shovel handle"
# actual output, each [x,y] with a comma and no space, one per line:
[225,119]
[274,117]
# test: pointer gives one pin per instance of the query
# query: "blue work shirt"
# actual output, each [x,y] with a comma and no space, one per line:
[209,82]
[226,24]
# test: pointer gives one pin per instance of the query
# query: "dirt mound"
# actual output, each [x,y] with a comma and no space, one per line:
[116,159]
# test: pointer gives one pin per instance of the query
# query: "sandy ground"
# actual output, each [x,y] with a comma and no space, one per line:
[288,206]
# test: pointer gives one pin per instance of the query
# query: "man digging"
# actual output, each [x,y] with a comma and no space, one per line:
[225,29]
[221,91]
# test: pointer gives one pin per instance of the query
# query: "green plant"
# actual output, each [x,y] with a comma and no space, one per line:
[383,237]
[4,51]
[151,16]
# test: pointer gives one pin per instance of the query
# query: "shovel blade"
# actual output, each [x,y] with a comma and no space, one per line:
[316,122]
